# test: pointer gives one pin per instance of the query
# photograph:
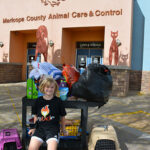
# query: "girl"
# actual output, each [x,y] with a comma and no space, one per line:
[48,110]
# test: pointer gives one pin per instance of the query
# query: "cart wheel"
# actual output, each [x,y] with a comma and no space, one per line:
[105,145]
[10,146]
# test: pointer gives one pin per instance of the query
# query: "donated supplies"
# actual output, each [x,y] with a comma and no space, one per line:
[94,84]
[44,68]
[71,74]
[32,92]
[63,90]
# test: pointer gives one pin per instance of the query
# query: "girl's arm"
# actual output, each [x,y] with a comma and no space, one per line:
[35,118]
[31,131]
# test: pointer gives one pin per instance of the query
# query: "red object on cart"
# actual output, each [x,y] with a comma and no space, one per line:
[71,74]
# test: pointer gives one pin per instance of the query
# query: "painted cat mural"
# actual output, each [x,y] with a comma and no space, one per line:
[113,49]
[123,59]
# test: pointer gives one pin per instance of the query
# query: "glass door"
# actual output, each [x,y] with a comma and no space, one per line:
[31,47]
[84,57]
[96,56]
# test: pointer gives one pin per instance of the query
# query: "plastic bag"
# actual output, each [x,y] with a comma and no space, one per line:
[63,93]
[51,70]
[71,74]
[94,84]
[44,68]
[32,92]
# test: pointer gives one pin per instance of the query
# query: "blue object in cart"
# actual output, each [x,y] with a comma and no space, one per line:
[63,90]
[68,137]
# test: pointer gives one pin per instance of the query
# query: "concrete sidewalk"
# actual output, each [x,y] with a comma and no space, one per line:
[129,115]
[11,105]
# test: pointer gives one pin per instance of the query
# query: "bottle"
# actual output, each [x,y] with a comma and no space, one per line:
[63,90]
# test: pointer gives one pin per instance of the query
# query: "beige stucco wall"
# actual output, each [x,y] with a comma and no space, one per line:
[26,9]
[18,48]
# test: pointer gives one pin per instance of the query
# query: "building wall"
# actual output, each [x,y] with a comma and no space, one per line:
[66,46]
[120,81]
[145,84]
[81,14]
[135,79]
[10,72]
[137,38]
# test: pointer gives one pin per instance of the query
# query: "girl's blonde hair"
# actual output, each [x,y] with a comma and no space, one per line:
[47,82]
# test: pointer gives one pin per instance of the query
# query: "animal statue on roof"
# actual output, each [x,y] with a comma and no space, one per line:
[42,42]
[113,49]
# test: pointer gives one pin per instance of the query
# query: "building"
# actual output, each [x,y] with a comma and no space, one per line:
[109,32]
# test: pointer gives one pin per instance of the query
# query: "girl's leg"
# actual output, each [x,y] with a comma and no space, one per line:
[34,144]
[52,145]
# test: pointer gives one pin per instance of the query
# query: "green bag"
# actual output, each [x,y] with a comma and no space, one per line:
[32,92]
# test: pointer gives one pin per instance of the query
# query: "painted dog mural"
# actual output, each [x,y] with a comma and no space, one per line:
[42,42]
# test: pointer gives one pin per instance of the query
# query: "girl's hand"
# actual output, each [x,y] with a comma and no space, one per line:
[65,133]
[31,132]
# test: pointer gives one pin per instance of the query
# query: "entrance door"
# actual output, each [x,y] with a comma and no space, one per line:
[96,56]
[84,57]
[31,56]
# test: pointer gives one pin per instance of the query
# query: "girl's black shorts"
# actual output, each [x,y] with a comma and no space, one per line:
[42,134]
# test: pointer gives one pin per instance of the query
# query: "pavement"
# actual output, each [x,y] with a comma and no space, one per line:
[129,115]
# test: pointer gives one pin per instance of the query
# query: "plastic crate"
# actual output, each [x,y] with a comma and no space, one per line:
[10,138]
[105,144]
[73,130]
[10,146]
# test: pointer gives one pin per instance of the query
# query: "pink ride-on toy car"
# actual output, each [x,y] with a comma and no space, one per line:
[9,136]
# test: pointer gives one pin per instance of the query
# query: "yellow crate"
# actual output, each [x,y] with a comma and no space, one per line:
[76,122]
[72,129]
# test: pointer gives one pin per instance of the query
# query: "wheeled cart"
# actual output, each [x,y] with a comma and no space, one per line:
[70,144]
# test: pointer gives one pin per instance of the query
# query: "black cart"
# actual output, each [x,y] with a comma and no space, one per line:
[81,143]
